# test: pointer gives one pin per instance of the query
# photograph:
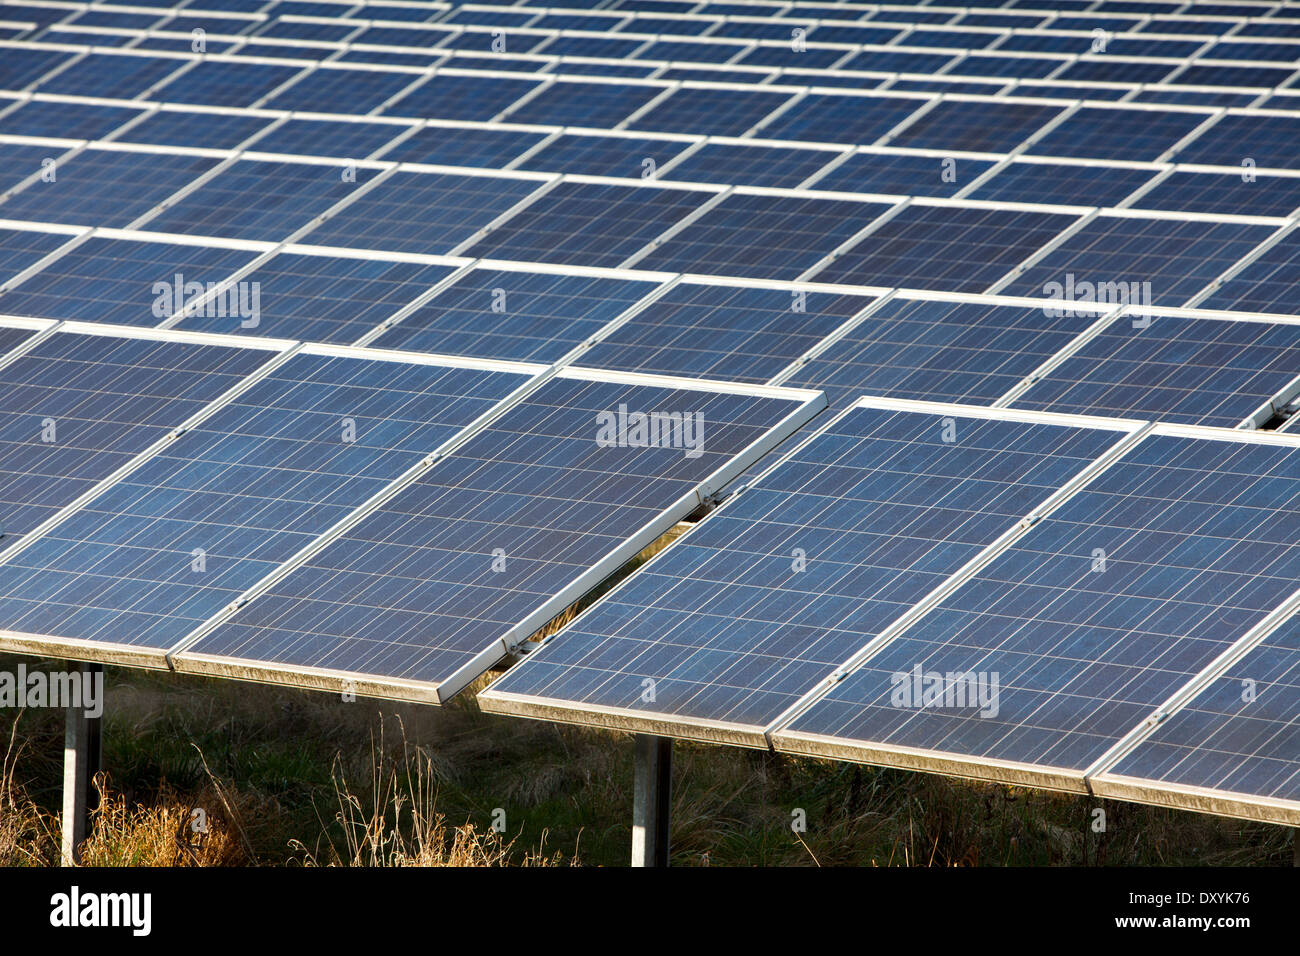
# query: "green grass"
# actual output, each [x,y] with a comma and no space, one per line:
[268,764]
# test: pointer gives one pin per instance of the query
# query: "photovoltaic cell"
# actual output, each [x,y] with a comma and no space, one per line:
[763,237]
[410,592]
[939,351]
[21,68]
[120,281]
[1195,536]
[526,316]
[1227,740]
[1177,258]
[248,488]
[317,298]
[731,625]
[109,399]
[741,334]
[588,224]
[1197,371]
[422,212]
[959,249]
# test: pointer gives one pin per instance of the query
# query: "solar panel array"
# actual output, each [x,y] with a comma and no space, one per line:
[232,231]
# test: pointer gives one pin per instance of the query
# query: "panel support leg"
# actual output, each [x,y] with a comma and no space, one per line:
[651,800]
[82,749]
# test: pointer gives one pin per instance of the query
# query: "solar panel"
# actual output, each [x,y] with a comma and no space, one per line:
[955,248]
[589,224]
[79,405]
[764,236]
[1235,743]
[104,187]
[533,495]
[940,350]
[315,298]
[622,156]
[22,248]
[1170,259]
[714,112]
[1266,284]
[465,146]
[1089,621]
[765,598]
[430,213]
[1174,368]
[735,333]
[1098,132]
[525,316]
[906,174]
[751,166]
[227,83]
[127,282]
[1060,183]
[190,529]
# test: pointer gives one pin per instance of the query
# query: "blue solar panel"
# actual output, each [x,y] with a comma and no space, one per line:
[21,68]
[226,83]
[603,155]
[588,224]
[903,174]
[750,165]
[895,61]
[422,212]
[493,148]
[1225,193]
[460,97]
[710,112]
[1196,537]
[65,120]
[784,56]
[1115,133]
[1062,184]
[976,126]
[577,103]
[341,90]
[316,298]
[1198,75]
[1198,371]
[526,316]
[763,236]
[741,334]
[178,128]
[961,249]
[939,351]
[248,487]
[20,249]
[1177,258]
[101,187]
[1266,140]
[1239,734]
[328,138]
[839,118]
[106,399]
[410,593]
[766,597]
[121,281]
[1266,285]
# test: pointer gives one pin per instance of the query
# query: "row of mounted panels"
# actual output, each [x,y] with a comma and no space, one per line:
[842,54]
[1012,596]
[319,515]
